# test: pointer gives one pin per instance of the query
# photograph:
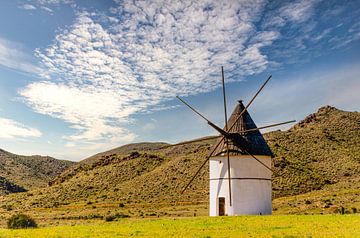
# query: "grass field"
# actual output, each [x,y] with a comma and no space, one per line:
[242,226]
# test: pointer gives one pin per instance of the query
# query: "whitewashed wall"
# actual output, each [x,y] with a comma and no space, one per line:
[249,195]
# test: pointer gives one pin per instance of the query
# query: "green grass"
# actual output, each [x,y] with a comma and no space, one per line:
[242,226]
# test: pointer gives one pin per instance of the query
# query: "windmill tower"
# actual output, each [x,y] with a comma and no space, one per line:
[238,183]
[240,163]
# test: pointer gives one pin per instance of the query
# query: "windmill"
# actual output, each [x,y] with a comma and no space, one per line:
[240,163]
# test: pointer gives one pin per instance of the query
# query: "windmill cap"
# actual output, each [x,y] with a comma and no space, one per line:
[255,142]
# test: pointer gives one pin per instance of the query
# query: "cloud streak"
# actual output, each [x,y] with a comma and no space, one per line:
[12,57]
[11,129]
[28,7]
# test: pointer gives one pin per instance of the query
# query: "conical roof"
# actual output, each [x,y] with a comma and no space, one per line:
[254,142]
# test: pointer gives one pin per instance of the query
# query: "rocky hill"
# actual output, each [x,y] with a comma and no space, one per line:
[20,173]
[323,149]
[320,153]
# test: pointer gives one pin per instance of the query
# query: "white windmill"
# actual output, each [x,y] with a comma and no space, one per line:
[240,164]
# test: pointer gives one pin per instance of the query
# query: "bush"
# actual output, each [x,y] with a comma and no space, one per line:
[21,221]
[354,209]
[116,216]
[110,218]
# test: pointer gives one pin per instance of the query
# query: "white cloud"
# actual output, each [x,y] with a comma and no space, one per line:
[11,129]
[46,4]
[54,2]
[105,69]
[290,12]
[91,110]
[298,11]
[47,9]
[107,74]
[28,7]
[310,28]
[12,56]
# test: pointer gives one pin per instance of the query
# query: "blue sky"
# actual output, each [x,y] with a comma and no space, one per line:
[81,77]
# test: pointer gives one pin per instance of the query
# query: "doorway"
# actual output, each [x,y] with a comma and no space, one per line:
[221,206]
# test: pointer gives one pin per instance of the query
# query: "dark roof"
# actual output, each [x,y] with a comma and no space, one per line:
[254,142]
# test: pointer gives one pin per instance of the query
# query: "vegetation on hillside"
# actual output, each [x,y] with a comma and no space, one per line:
[21,221]
[21,173]
[320,155]
[7,187]
[322,149]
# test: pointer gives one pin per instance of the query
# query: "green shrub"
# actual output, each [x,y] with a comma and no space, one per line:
[19,221]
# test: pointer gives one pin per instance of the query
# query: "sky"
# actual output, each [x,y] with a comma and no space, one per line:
[82,77]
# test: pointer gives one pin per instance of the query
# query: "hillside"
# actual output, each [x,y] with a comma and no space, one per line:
[7,187]
[319,154]
[322,149]
[20,173]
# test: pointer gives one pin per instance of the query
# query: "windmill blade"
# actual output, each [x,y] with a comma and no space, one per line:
[251,101]
[214,137]
[221,131]
[253,156]
[208,157]
[239,116]
[193,109]
[202,165]
[228,165]
[272,125]
[226,140]
[191,141]
[224,97]
[257,93]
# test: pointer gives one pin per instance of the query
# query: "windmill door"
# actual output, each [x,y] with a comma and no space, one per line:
[221,206]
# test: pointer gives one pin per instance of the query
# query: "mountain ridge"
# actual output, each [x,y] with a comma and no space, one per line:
[28,172]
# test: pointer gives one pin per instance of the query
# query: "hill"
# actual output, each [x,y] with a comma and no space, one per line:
[20,173]
[321,150]
[317,157]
